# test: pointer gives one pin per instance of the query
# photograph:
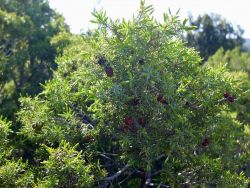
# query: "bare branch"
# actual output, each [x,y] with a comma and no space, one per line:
[148,181]
[107,154]
[117,174]
[156,173]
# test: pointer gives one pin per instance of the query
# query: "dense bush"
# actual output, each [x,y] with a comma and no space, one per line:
[129,106]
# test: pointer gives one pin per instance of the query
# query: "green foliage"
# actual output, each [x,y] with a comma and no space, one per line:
[66,168]
[4,133]
[27,56]
[14,174]
[211,33]
[235,59]
[239,64]
[129,106]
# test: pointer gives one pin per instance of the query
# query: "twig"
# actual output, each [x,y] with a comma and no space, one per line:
[193,106]
[125,179]
[148,181]
[106,181]
[107,154]
[117,174]
[106,157]
[156,172]
[160,157]
[84,116]
[221,101]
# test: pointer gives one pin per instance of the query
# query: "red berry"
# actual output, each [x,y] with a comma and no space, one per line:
[230,98]
[206,142]
[226,95]
[89,138]
[141,121]
[137,101]
[129,120]
[161,99]
[109,71]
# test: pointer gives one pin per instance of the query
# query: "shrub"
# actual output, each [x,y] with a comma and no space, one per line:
[15,174]
[66,168]
[140,109]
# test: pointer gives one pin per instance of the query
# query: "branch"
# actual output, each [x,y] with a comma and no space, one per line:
[126,178]
[221,101]
[83,115]
[117,174]
[148,181]
[107,154]
[156,173]
[193,106]
[160,157]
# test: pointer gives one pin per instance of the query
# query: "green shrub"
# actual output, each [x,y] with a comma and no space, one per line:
[4,133]
[131,103]
[15,174]
[66,167]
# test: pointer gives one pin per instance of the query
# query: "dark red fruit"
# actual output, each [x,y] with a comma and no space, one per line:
[109,71]
[161,99]
[88,138]
[141,121]
[230,98]
[206,142]
[129,120]
[226,95]
[137,101]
